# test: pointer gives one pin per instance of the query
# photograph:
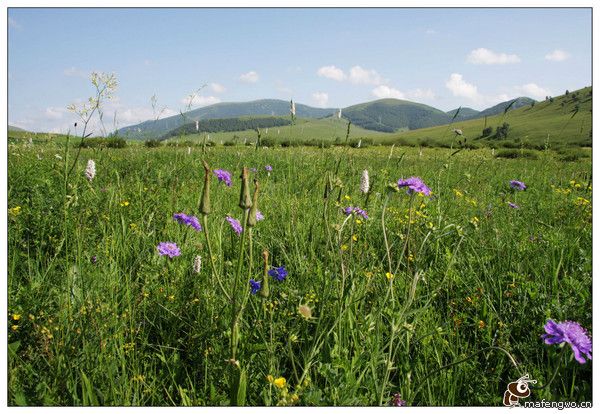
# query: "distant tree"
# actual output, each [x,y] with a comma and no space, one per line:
[551,99]
[502,131]
[566,92]
[487,132]
[532,104]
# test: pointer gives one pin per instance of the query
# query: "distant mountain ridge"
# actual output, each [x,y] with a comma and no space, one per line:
[384,115]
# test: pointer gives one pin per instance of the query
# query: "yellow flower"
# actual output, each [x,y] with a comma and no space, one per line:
[16,316]
[354,237]
[346,197]
[279,382]
[124,203]
[411,258]
[344,247]
[15,211]
[358,221]
[457,193]
[14,327]
[132,226]
[389,276]
[270,378]
[580,201]
[481,324]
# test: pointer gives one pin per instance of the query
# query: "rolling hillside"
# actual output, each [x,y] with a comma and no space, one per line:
[263,107]
[562,120]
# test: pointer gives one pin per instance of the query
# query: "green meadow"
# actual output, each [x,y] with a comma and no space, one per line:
[437,300]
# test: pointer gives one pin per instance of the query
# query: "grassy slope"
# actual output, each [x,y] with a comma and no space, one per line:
[320,129]
[533,125]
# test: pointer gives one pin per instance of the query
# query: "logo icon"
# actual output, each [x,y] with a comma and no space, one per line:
[516,390]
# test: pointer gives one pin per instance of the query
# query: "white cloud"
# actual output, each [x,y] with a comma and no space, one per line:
[534,91]
[459,87]
[383,91]
[200,100]
[359,75]
[557,55]
[424,94]
[250,77]
[75,72]
[217,87]
[483,56]
[54,113]
[332,72]
[320,98]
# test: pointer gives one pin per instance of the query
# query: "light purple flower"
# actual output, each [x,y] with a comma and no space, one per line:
[397,400]
[223,175]
[356,210]
[253,169]
[235,225]
[513,205]
[168,249]
[268,168]
[192,221]
[414,185]
[517,185]
[259,216]
[571,333]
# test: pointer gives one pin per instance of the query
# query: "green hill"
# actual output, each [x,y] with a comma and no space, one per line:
[389,115]
[562,120]
[263,107]
[501,107]
[326,129]
[463,113]
[14,128]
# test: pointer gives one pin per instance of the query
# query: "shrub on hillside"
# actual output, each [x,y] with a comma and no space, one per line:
[515,153]
[152,143]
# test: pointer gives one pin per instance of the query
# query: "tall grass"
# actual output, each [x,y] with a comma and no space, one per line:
[97,317]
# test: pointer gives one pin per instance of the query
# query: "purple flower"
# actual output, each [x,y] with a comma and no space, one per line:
[513,205]
[253,169]
[278,273]
[259,216]
[517,185]
[571,333]
[397,400]
[192,221]
[356,210]
[168,249]
[268,168]
[93,259]
[415,185]
[235,225]
[254,286]
[223,175]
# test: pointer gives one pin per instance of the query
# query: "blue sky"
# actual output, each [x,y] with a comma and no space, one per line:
[321,57]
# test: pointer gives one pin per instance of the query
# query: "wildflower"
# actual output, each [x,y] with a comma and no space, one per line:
[513,205]
[580,201]
[481,324]
[397,400]
[253,170]
[356,210]
[364,182]
[191,221]
[279,382]
[354,237]
[517,185]
[268,168]
[124,203]
[224,176]
[90,170]
[305,311]
[344,247]
[415,185]
[93,259]
[15,211]
[197,264]
[389,275]
[569,332]
[457,192]
[16,316]
[168,249]
[254,286]
[278,273]
[235,225]
[259,216]
[270,378]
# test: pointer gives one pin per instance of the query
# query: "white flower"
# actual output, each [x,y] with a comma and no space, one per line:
[90,170]
[339,114]
[197,264]
[293,108]
[197,126]
[364,182]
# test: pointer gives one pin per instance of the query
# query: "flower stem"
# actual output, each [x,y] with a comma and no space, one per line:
[211,258]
